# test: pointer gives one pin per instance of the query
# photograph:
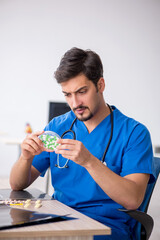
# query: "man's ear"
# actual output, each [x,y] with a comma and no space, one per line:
[101,85]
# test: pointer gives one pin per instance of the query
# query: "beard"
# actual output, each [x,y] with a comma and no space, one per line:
[80,117]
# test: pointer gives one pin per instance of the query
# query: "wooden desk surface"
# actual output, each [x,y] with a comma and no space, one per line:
[82,227]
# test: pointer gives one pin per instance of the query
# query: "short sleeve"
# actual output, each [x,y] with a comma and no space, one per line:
[138,154]
[42,162]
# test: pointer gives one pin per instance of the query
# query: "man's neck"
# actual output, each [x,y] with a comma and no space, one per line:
[102,113]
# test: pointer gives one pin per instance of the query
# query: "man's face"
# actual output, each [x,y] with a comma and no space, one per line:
[82,96]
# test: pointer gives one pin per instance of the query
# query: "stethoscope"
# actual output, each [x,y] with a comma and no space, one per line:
[70,131]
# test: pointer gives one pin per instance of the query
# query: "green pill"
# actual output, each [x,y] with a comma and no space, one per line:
[49,139]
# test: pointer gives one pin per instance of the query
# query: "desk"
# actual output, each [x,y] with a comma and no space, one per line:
[81,228]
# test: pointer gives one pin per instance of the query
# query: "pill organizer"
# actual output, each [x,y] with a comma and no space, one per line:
[49,139]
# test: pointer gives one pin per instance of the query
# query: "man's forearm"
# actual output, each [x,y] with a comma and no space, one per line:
[127,191]
[20,176]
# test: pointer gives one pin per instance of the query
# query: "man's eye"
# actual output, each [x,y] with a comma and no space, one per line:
[67,94]
[83,91]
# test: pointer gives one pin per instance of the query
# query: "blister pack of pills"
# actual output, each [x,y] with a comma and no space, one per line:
[49,139]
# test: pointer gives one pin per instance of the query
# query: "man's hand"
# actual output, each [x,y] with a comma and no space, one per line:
[23,173]
[128,191]
[32,146]
[74,150]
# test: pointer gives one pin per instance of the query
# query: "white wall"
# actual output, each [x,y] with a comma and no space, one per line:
[34,34]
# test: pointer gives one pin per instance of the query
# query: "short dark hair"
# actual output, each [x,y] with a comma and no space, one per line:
[77,61]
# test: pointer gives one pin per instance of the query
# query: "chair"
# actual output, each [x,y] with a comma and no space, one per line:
[55,109]
[145,223]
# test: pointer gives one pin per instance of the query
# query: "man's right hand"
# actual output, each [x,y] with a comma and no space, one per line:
[23,173]
[32,146]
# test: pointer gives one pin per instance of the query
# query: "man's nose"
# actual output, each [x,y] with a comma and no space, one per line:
[75,101]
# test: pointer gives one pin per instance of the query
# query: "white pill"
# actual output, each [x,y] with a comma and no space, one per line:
[26,205]
[38,205]
[28,201]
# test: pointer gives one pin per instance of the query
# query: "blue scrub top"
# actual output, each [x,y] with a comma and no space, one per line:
[130,152]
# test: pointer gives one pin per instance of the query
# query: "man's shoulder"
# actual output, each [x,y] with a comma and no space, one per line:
[61,123]
[128,122]
[61,119]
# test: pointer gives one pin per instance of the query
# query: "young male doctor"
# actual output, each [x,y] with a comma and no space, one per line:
[86,176]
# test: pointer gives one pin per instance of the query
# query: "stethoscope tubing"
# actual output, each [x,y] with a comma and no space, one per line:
[111,135]
[74,137]
[70,130]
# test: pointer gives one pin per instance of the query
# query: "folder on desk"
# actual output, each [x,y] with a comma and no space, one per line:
[30,193]
[14,217]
